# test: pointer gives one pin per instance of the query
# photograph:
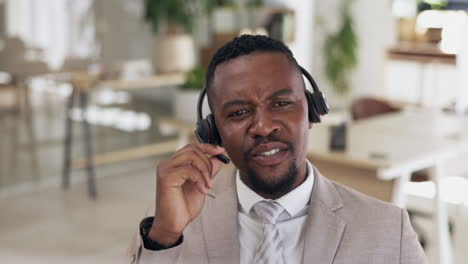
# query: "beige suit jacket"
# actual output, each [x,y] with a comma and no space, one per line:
[343,226]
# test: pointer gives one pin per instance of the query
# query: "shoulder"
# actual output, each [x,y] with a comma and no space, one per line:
[360,209]
[350,203]
[356,203]
[371,223]
[364,216]
[377,230]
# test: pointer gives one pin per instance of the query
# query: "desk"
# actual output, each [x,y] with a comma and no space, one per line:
[83,84]
[384,151]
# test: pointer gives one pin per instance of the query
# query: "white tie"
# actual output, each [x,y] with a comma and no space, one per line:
[270,249]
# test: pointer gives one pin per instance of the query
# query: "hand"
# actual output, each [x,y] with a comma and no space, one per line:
[183,181]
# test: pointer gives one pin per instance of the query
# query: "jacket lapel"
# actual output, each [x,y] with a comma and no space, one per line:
[323,229]
[220,220]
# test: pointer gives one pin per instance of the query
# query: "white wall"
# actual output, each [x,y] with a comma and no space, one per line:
[303,45]
[375,28]
[41,25]
[123,32]
[462,68]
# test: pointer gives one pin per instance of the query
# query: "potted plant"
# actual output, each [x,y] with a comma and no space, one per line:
[186,96]
[340,52]
[172,22]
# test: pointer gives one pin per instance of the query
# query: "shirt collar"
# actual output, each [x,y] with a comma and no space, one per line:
[293,202]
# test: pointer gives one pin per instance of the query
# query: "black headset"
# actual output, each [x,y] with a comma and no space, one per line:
[207,132]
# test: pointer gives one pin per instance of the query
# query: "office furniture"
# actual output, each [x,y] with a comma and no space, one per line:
[366,107]
[83,84]
[382,152]
[421,74]
[20,108]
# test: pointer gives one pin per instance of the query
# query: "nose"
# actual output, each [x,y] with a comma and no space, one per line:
[263,125]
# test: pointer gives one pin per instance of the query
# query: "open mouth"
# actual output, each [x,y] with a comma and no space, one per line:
[269,154]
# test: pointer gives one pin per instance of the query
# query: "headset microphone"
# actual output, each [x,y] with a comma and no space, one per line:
[220,157]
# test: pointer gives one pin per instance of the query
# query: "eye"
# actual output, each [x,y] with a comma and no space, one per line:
[238,113]
[281,103]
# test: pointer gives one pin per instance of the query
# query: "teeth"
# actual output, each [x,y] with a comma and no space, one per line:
[270,153]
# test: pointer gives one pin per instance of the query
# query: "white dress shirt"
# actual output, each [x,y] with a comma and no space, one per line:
[290,224]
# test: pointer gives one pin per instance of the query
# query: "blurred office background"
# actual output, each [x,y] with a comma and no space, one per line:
[93,93]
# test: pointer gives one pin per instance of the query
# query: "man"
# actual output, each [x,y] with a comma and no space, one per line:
[273,206]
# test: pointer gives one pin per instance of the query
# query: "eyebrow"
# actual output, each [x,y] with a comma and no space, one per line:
[271,96]
[279,93]
[234,102]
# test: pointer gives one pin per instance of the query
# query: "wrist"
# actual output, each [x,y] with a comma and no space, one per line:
[162,236]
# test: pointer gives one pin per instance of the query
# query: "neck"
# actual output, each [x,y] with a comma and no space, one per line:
[300,177]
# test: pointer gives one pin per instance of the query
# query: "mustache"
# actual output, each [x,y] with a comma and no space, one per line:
[262,140]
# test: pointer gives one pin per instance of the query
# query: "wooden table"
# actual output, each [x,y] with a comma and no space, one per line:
[383,152]
[423,53]
[83,84]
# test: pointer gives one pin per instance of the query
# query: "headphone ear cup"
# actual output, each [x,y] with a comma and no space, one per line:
[314,117]
[215,137]
[320,103]
[202,132]
[207,132]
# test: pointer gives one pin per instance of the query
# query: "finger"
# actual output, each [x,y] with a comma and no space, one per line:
[200,165]
[208,167]
[182,151]
[189,174]
[202,150]
[201,188]
[204,157]
[210,149]
[182,159]
[197,162]
[196,177]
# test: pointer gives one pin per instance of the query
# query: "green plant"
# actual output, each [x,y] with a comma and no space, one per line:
[254,3]
[234,3]
[433,4]
[175,13]
[195,79]
[340,51]
[220,3]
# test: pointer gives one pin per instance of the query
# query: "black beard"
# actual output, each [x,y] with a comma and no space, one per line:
[277,187]
[274,188]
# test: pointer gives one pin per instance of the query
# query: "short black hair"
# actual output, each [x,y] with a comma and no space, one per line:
[244,45]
